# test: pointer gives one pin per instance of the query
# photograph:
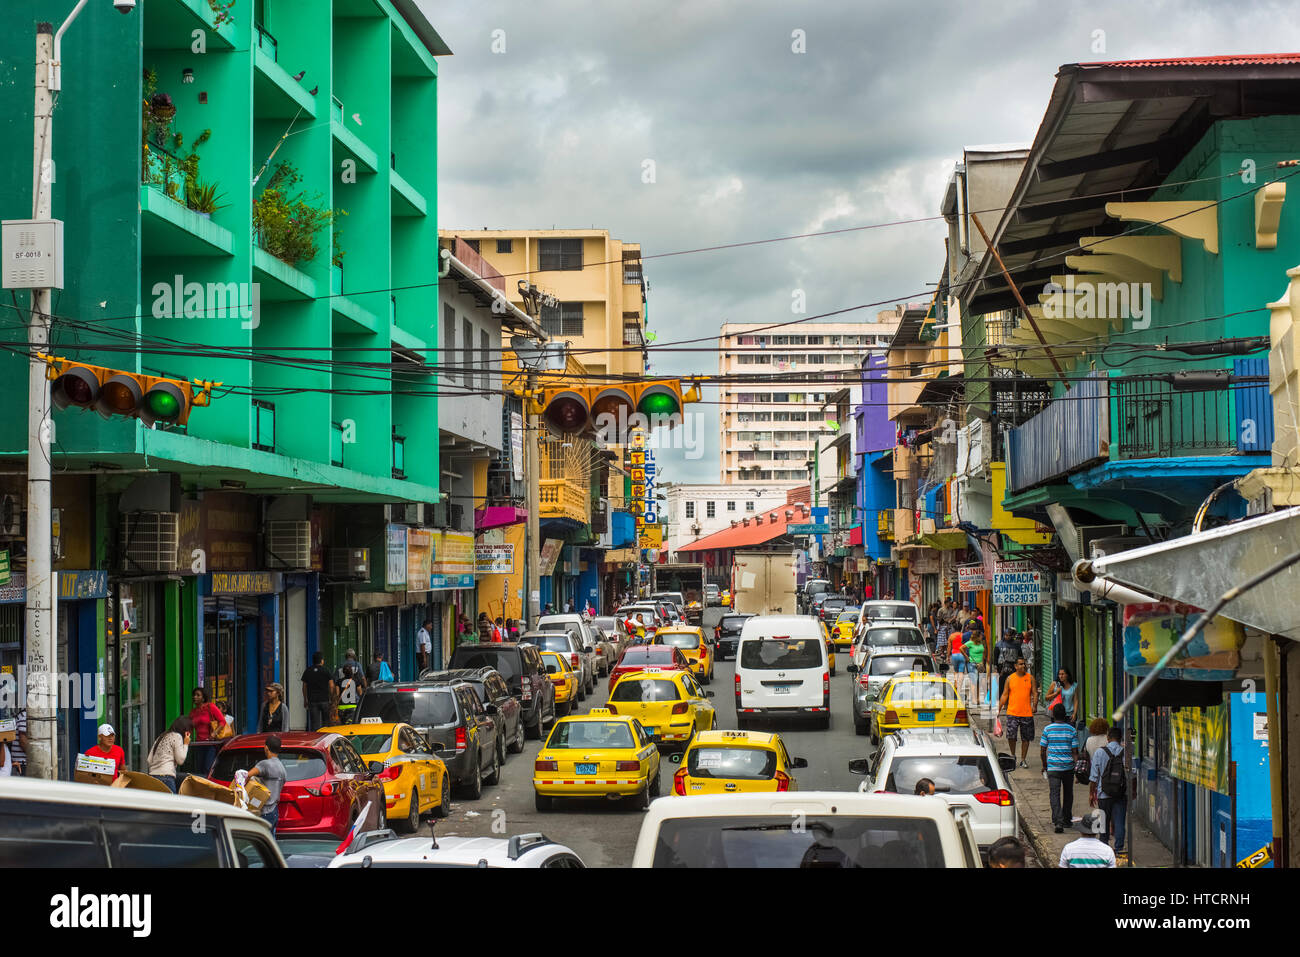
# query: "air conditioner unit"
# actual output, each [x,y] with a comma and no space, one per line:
[11,515]
[148,542]
[352,564]
[1089,533]
[455,515]
[1101,547]
[288,545]
[406,513]
[437,515]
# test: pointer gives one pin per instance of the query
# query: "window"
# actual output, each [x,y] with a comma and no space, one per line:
[399,455]
[709,510]
[731,506]
[749,506]
[39,840]
[472,244]
[562,320]
[505,245]
[559,254]
[485,359]
[336,444]
[263,426]
[690,509]
[145,843]
[447,355]
[467,352]
[253,851]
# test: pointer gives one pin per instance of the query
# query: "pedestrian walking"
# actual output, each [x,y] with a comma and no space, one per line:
[499,632]
[423,646]
[271,770]
[169,751]
[205,717]
[318,691]
[106,747]
[1029,645]
[1006,852]
[274,716]
[1089,850]
[1108,786]
[17,748]
[1058,750]
[351,682]
[1097,736]
[974,652]
[1017,703]
[372,669]
[1062,692]
[1005,653]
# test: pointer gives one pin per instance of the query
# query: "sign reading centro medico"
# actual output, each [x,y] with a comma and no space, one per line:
[1020,583]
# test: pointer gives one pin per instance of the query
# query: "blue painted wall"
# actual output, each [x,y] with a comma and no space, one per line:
[1254,818]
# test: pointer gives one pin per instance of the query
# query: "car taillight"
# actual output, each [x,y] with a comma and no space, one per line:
[326,789]
[627,766]
[546,765]
[1002,798]
[526,688]
[574,661]
[962,717]
[782,781]
[681,707]
[864,680]
[462,739]
[737,687]
[390,773]
[891,717]
[679,782]
[826,682]
[704,651]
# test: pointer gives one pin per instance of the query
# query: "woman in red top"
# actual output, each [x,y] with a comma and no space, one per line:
[204,715]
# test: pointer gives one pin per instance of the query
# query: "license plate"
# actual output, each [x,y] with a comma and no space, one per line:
[782,689]
[586,769]
[925,716]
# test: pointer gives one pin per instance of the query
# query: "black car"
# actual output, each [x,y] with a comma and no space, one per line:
[520,664]
[726,636]
[829,608]
[453,719]
[491,689]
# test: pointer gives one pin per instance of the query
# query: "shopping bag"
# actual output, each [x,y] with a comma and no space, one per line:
[997,727]
[385,672]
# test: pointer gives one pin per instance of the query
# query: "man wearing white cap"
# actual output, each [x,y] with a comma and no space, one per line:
[107,748]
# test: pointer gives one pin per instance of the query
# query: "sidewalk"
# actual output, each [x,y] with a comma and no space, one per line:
[1031,793]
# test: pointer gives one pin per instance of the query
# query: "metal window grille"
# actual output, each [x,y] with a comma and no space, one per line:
[562,320]
[559,254]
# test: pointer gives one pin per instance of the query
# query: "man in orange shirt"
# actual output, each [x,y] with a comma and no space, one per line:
[1017,704]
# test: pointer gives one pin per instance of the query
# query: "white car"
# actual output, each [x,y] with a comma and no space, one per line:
[805,829]
[887,634]
[782,669]
[892,610]
[586,634]
[965,769]
[522,850]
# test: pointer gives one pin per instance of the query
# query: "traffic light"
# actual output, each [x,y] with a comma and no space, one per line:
[111,392]
[570,409]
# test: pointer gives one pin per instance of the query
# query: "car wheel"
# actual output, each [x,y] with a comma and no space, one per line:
[706,679]
[875,738]
[517,745]
[655,786]
[534,730]
[859,725]
[494,774]
[474,786]
[642,799]
[412,822]
[543,802]
[444,806]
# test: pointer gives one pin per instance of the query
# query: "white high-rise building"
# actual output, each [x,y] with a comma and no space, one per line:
[769,428]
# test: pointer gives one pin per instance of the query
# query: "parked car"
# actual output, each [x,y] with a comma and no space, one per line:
[588,639]
[327,788]
[966,771]
[694,645]
[726,635]
[782,670]
[81,826]
[523,850]
[415,779]
[641,657]
[568,642]
[491,688]
[453,719]
[805,829]
[878,666]
[520,664]
[830,607]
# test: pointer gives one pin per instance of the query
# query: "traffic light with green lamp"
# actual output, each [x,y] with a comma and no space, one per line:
[572,409]
[112,392]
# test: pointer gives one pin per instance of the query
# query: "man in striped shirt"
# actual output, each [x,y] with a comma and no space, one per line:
[1057,748]
[1089,850]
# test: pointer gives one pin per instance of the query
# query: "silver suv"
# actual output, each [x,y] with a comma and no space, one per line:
[880,665]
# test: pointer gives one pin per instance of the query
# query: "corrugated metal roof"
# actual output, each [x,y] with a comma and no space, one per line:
[745,536]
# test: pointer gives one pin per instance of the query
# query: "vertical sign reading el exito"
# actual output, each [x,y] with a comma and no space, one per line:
[641,466]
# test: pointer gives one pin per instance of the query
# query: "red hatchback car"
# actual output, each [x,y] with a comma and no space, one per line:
[327,785]
[643,656]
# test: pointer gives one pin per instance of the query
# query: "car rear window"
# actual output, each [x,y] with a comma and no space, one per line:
[784,840]
[647,655]
[678,639]
[903,611]
[884,637]
[923,691]
[591,734]
[504,660]
[421,708]
[893,664]
[847,616]
[554,641]
[299,765]
[777,654]
[954,774]
[645,689]
[745,764]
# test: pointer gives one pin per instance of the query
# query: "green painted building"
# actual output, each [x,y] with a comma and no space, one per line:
[249,192]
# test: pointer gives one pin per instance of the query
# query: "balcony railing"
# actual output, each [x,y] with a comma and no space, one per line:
[560,498]
[885,525]
[1157,422]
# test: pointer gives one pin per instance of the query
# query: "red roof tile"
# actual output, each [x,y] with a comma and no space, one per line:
[1239,59]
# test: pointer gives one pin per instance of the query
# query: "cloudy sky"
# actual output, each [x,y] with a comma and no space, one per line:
[752,140]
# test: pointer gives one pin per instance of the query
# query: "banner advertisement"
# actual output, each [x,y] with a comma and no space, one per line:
[1020,583]
[551,549]
[419,558]
[971,578]
[395,556]
[1198,746]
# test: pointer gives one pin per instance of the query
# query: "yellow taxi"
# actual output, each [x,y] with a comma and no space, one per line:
[846,623]
[564,678]
[415,780]
[728,762]
[671,705]
[916,700]
[597,754]
[693,645]
[830,647]
[726,598]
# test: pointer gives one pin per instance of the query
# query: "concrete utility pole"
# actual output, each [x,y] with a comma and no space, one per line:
[532,479]
[41,724]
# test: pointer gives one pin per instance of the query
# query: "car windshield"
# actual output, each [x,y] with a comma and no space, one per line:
[298,765]
[504,660]
[901,612]
[778,654]
[371,743]
[554,641]
[893,664]
[678,639]
[422,708]
[922,691]
[591,734]
[785,840]
[884,637]
[953,774]
[745,764]
[645,689]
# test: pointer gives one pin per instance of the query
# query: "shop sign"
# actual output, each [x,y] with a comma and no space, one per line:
[494,559]
[245,583]
[437,582]
[395,555]
[454,554]
[1020,583]
[419,558]
[517,445]
[1198,746]
[551,549]
[79,586]
[971,578]
[651,536]
[4,567]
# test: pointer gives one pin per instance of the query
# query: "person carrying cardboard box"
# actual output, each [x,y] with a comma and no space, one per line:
[107,747]
[271,772]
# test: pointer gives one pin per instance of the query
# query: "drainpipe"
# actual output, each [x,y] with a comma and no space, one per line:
[1090,581]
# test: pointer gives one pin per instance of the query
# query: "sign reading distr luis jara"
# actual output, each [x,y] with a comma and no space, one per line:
[1020,583]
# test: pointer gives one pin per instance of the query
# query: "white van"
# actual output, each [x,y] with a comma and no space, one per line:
[781,669]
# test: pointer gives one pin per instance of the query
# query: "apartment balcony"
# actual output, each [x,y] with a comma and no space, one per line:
[562,498]
[885,525]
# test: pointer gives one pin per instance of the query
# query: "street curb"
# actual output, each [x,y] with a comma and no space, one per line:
[1045,857]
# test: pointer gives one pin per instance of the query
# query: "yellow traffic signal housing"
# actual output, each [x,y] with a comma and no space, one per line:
[112,392]
[622,406]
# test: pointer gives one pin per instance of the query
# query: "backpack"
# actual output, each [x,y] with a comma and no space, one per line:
[1114,782]
[1082,768]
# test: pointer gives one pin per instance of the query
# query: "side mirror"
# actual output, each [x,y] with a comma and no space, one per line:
[796,763]
[853,669]
[376,767]
[675,758]
[1006,762]
[860,766]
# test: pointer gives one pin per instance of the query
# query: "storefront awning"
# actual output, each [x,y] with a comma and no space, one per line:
[945,539]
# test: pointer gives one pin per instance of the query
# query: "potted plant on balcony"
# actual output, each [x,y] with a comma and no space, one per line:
[286,223]
[221,11]
[203,199]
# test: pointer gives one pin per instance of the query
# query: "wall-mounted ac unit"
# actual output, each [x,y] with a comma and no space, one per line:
[148,542]
[288,545]
[352,564]
[1087,534]
[1112,545]
[437,515]
[406,513]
